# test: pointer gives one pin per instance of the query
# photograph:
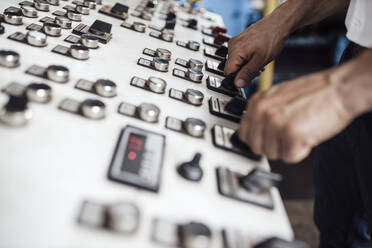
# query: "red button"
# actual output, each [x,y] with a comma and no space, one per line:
[218,29]
[221,38]
[132,155]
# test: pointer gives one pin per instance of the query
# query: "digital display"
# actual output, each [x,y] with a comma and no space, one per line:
[134,153]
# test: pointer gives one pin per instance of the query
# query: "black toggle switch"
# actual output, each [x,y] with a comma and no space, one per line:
[119,9]
[237,143]
[260,181]
[280,243]
[222,51]
[228,82]
[222,65]
[170,25]
[16,104]
[191,170]
[171,16]
[150,5]
[192,23]
[236,106]
[100,27]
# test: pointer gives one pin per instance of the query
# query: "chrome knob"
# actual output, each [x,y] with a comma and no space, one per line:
[9,59]
[156,84]
[160,64]
[195,127]
[29,11]
[63,22]
[105,88]
[79,52]
[36,38]
[167,35]
[195,64]
[52,29]
[58,73]
[149,112]
[139,27]
[194,75]
[89,41]
[39,92]
[82,9]
[194,97]
[93,109]
[193,45]
[164,54]
[41,5]
[74,15]
[14,18]
[53,2]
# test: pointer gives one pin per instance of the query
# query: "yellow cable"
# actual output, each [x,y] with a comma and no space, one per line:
[267,76]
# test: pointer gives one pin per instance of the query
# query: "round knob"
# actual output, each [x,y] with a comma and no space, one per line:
[195,127]
[29,11]
[63,22]
[105,88]
[58,73]
[194,97]
[9,58]
[74,15]
[123,217]
[156,84]
[194,75]
[193,45]
[160,64]
[79,52]
[36,38]
[149,112]
[164,54]
[52,29]
[195,64]
[41,5]
[16,112]
[167,35]
[13,17]
[82,9]
[90,4]
[53,2]
[195,235]
[191,170]
[39,92]
[89,41]
[93,109]
[139,27]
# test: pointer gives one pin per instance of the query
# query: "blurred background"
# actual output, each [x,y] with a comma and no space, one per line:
[308,50]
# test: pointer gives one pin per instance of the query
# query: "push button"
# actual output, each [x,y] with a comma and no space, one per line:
[52,29]
[236,106]
[79,52]
[36,38]
[89,41]
[29,11]
[194,97]
[193,45]
[58,73]
[218,29]
[16,111]
[39,92]
[105,88]
[13,16]
[194,75]
[222,51]
[220,39]
[63,22]
[41,5]
[156,84]
[73,15]
[9,59]
[195,127]
[84,10]
[164,54]
[93,109]
[149,112]
[160,64]
[53,2]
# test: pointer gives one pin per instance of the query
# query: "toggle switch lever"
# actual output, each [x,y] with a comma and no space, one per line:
[237,143]
[260,181]
[228,82]
[236,106]
[222,51]
[191,170]
[222,65]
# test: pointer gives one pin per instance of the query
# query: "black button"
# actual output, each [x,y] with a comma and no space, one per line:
[222,51]
[170,24]
[192,23]
[236,106]
[171,16]
[191,170]
[228,82]
[16,104]
[222,65]
[119,9]
[150,5]
[100,27]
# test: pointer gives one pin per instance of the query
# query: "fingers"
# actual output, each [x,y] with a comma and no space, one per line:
[249,71]
[271,143]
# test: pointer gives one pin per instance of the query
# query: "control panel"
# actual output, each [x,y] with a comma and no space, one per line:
[118,129]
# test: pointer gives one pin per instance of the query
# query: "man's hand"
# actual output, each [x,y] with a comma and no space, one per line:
[253,49]
[288,120]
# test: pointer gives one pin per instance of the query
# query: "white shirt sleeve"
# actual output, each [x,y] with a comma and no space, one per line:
[359,22]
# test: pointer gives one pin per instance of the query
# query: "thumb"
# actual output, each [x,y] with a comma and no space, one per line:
[249,72]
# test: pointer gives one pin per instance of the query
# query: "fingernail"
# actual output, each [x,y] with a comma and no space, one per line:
[240,83]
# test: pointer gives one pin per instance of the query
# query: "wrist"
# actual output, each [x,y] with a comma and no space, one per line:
[353,81]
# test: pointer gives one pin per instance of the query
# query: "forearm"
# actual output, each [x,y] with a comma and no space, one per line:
[354,80]
[294,14]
